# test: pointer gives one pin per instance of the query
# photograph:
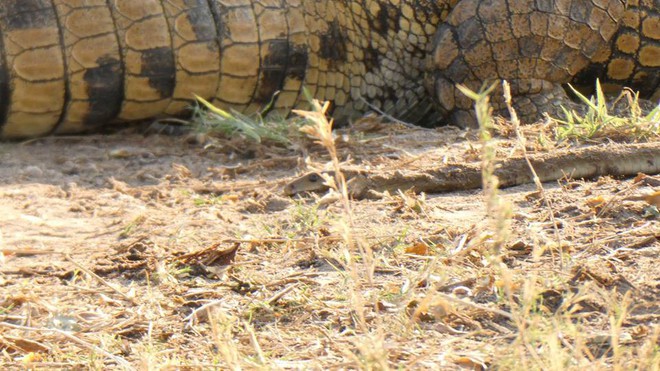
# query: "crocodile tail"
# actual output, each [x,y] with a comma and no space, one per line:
[68,66]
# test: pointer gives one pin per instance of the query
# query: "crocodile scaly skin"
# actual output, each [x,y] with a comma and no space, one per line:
[71,65]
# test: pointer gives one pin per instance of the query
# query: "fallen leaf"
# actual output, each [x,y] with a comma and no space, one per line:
[470,363]
[430,309]
[596,202]
[639,332]
[419,248]
[368,124]
[212,255]
[23,345]
[653,199]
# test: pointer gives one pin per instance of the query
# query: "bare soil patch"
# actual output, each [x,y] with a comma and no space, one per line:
[146,251]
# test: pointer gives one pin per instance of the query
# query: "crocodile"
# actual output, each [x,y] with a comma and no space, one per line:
[69,66]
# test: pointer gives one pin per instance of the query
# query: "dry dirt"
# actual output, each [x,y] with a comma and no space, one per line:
[151,252]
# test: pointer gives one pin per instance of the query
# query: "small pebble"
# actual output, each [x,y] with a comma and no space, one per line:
[33,171]
[121,153]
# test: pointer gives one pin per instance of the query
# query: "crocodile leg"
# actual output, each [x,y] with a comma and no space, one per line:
[537,45]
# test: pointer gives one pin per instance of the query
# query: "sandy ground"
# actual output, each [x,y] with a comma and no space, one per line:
[118,251]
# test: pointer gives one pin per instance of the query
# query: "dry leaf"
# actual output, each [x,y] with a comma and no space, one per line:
[211,256]
[430,309]
[368,124]
[470,363]
[653,199]
[647,180]
[419,248]
[596,202]
[23,345]
[639,332]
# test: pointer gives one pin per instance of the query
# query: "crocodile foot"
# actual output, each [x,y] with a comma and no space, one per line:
[535,45]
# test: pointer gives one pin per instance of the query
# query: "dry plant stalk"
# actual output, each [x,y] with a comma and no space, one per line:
[321,131]
[497,209]
[522,141]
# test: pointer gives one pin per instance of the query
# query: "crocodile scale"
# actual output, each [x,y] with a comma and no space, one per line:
[68,66]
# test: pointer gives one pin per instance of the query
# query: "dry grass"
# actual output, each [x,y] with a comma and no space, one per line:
[191,274]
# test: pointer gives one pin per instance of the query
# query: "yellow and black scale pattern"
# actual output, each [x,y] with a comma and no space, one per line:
[70,65]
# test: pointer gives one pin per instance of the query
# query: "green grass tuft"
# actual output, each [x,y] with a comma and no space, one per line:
[599,123]
[210,119]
